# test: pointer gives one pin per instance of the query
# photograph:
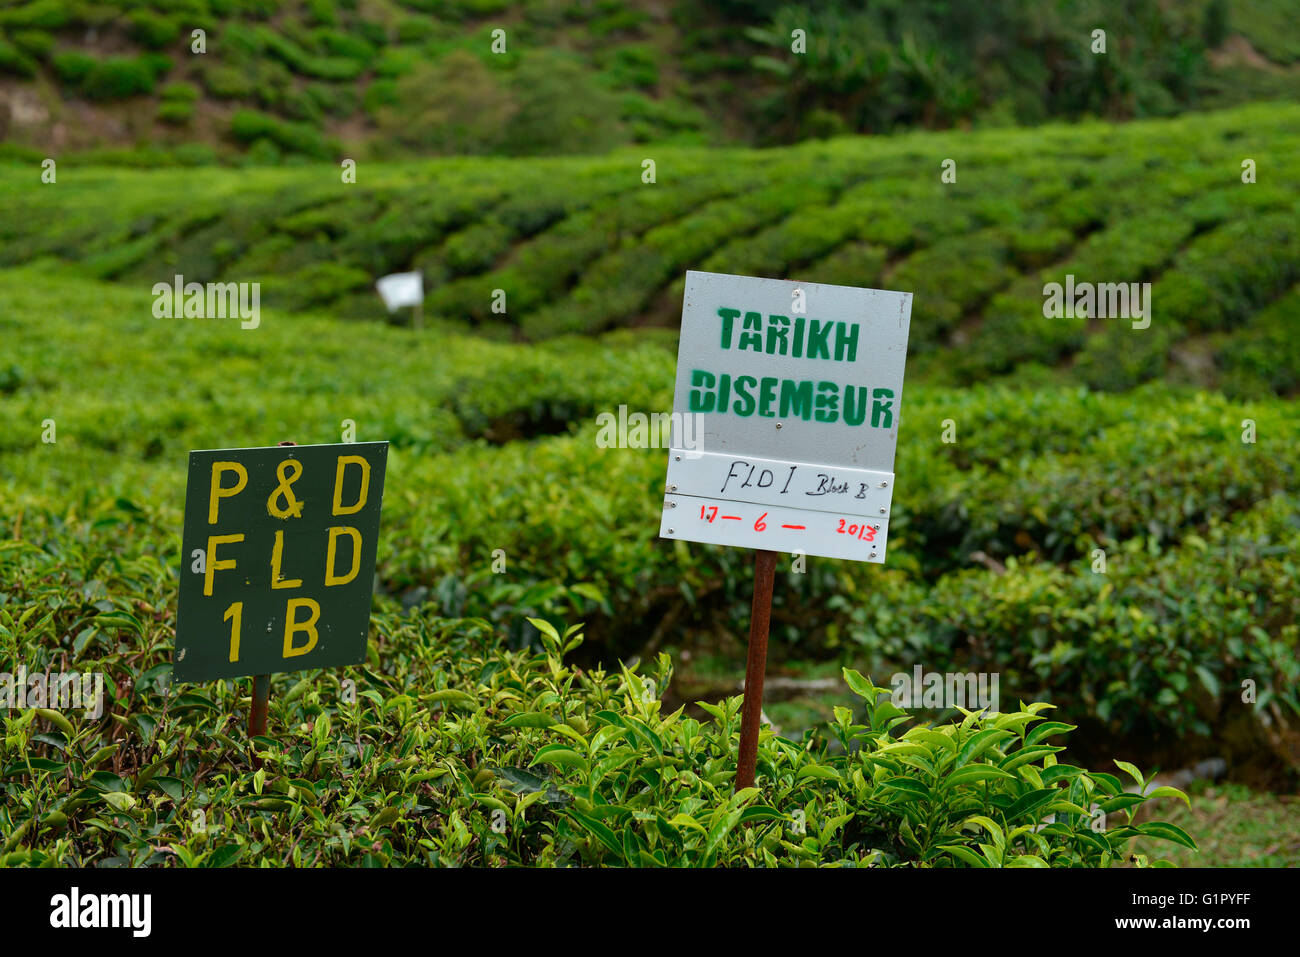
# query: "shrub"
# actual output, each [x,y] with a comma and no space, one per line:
[153,30]
[456,105]
[1264,355]
[176,113]
[343,44]
[397,61]
[583,766]
[226,82]
[248,126]
[73,67]
[180,92]
[636,66]
[477,248]
[317,283]
[118,78]
[264,152]
[561,109]
[415,30]
[322,12]
[38,14]
[195,154]
[15,61]
[301,62]
[38,43]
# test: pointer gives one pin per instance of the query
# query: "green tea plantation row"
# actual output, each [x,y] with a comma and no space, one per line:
[1203,208]
[996,531]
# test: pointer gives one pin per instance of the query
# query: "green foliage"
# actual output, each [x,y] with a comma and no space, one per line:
[118,78]
[38,43]
[500,443]
[457,752]
[39,14]
[335,68]
[1263,356]
[602,70]
[180,93]
[226,82]
[457,105]
[582,245]
[561,108]
[176,112]
[249,126]
[15,61]
[1269,26]
[153,30]
[73,66]
[635,65]
[113,78]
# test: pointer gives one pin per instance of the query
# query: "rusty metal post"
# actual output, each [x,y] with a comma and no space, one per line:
[755,667]
[261,700]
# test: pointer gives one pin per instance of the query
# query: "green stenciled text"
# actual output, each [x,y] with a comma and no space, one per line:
[808,399]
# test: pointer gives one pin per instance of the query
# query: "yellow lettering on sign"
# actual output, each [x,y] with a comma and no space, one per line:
[277,551]
[330,577]
[292,625]
[344,461]
[282,502]
[216,493]
[210,563]
[236,612]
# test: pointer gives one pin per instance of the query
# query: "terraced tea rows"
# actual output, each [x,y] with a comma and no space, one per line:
[584,245]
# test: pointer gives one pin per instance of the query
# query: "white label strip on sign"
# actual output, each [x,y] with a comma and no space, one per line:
[743,525]
[747,478]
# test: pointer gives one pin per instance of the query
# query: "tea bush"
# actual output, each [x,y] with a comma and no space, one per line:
[1264,355]
[918,69]
[1126,558]
[582,245]
[495,446]
[453,751]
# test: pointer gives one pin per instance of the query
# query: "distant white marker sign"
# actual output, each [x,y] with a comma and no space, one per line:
[400,289]
[799,386]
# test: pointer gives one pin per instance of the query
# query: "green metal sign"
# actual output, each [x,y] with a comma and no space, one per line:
[279,547]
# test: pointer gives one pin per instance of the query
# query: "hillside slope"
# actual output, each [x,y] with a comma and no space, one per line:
[586,245]
[273,79]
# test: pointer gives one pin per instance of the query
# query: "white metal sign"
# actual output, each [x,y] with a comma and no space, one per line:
[795,390]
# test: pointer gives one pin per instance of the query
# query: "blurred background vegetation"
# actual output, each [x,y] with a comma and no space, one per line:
[286,79]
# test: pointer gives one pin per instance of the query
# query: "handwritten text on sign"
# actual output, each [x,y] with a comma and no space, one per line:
[279,548]
[799,386]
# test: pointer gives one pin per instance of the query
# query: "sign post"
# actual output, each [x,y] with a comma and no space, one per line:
[280,544]
[760,614]
[257,710]
[784,427]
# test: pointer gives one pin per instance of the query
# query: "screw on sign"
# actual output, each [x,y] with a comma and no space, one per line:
[797,392]
[280,547]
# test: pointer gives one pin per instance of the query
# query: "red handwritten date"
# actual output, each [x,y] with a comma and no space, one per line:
[863,532]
